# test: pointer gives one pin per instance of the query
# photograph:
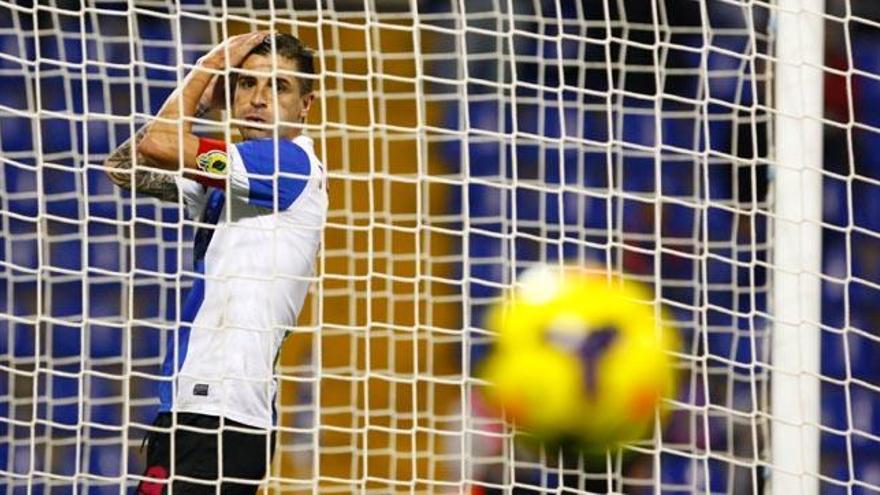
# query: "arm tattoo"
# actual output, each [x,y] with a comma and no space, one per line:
[146,181]
[201,110]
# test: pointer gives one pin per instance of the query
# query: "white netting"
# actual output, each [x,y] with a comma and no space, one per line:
[465,141]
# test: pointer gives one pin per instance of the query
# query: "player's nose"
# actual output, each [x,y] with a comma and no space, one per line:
[261,97]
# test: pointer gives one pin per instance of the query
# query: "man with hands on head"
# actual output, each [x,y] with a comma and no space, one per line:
[261,205]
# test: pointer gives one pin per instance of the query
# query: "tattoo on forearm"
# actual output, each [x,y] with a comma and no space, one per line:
[146,181]
[201,110]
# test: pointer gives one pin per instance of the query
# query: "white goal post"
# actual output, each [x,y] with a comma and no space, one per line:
[719,151]
[797,254]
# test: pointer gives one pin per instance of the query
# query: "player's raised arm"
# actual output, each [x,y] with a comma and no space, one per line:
[169,138]
[153,183]
[144,178]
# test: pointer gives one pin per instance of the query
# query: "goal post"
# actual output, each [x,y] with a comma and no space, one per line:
[722,153]
[797,253]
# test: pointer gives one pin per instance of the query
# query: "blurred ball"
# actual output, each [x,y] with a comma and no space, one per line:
[579,357]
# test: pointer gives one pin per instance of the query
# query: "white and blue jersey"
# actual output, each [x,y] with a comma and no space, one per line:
[254,255]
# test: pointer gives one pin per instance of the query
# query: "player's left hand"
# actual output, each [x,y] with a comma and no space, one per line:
[237,47]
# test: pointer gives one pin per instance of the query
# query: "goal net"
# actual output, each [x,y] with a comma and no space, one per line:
[465,141]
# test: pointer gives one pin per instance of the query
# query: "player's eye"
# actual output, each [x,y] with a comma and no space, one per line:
[246,82]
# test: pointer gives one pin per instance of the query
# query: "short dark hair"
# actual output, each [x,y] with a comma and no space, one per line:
[290,47]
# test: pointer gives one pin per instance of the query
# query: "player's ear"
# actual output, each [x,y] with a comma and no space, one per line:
[307,101]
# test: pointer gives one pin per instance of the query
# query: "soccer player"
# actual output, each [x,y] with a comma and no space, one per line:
[261,205]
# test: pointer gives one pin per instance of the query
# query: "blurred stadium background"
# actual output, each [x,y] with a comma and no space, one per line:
[460,151]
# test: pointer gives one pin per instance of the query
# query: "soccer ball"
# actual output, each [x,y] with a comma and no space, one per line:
[579,358]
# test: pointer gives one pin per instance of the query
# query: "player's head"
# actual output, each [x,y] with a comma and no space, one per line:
[254,90]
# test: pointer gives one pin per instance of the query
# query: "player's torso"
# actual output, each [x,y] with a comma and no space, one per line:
[258,266]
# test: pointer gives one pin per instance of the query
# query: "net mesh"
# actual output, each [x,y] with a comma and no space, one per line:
[465,142]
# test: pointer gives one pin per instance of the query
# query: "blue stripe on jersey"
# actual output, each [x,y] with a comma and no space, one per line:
[194,299]
[211,215]
[258,157]
[180,339]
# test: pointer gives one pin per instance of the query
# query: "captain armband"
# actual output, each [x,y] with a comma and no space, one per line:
[212,157]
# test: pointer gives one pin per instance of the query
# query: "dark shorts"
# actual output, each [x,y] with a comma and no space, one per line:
[195,455]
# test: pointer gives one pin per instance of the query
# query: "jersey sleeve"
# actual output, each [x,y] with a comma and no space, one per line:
[268,173]
[193,195]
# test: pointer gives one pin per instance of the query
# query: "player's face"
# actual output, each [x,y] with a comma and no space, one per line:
[255,94]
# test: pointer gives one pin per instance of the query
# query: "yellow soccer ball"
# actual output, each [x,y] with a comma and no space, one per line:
[579,356]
